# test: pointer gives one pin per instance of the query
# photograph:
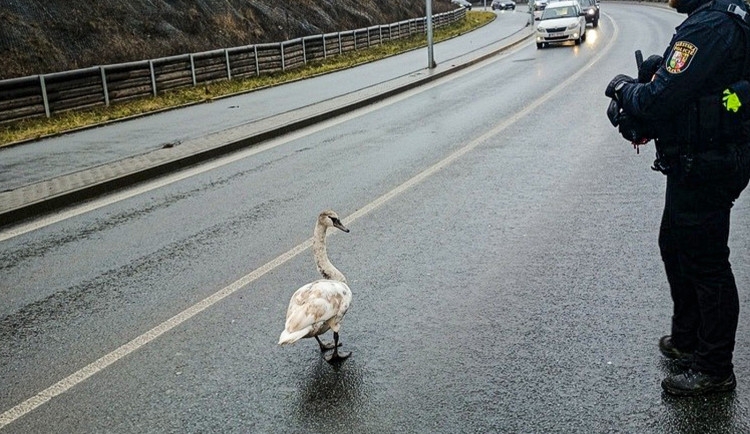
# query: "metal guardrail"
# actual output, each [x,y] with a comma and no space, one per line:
[44,95]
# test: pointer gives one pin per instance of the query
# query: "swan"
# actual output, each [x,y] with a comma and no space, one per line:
[321,305]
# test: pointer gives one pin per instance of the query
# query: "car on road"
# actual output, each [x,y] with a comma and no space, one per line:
[537,8]
[463,3]
[560,22]
[503,5]
[591,9]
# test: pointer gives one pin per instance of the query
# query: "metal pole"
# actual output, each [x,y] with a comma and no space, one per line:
[430,58]
[192,69]
[153,75]
[45,99]
[229,66]
[257,65]
[104,86]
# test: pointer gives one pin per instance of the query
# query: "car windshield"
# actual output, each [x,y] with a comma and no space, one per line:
[550,13]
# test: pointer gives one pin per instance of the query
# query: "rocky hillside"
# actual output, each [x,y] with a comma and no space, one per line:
[42,36]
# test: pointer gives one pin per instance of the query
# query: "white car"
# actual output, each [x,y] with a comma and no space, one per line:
[463,3]
[504,5]
[560,22]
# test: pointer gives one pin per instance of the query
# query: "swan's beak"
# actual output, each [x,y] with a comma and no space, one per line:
[337,224]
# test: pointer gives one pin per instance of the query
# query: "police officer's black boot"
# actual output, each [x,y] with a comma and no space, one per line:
[693,383]
[683,359]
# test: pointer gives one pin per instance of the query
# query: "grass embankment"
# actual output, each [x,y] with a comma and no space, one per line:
[28,129]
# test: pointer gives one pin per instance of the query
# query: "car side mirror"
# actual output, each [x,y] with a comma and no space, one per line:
[582,14]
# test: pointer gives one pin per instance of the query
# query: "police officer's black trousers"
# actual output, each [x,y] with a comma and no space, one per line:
[693,240]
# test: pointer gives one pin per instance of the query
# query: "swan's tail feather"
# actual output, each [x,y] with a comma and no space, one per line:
[290,338]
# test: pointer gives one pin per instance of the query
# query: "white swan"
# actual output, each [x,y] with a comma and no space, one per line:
[321,305]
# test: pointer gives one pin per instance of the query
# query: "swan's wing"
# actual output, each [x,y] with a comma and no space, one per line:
[317,302]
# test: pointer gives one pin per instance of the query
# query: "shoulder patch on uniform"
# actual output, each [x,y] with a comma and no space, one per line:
[681,56]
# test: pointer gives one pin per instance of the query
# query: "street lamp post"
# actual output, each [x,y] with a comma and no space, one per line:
[430,57]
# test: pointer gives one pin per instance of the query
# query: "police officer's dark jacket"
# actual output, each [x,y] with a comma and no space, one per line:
[707,53]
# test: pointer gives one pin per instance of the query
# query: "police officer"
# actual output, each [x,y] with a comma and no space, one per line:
[695,102]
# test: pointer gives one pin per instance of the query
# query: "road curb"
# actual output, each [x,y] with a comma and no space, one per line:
[45,197]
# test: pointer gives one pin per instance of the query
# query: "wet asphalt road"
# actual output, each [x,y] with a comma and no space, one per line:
[516,287]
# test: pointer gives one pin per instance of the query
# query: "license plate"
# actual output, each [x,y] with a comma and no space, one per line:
[556,35]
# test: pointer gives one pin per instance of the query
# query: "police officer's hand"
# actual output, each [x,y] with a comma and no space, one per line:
[649,67]
[615,86]
[633,130]
[613,112]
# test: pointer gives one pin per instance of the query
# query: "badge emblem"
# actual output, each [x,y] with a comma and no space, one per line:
[682,54]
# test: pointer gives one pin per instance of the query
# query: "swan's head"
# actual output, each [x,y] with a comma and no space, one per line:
[330,219]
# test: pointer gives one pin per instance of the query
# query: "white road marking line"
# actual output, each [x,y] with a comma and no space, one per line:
[99,365]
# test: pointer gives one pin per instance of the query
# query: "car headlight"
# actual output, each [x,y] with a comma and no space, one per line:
[573,26]
[591,12]
[541,30]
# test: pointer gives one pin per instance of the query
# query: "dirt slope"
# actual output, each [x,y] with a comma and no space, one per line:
[42,36]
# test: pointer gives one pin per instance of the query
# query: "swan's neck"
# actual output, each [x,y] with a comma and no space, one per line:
[321,256]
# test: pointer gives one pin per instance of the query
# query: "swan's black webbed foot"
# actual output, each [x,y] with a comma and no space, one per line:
[325,346]
[337,356]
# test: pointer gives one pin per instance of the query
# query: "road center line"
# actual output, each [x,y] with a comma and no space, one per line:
[99,365]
